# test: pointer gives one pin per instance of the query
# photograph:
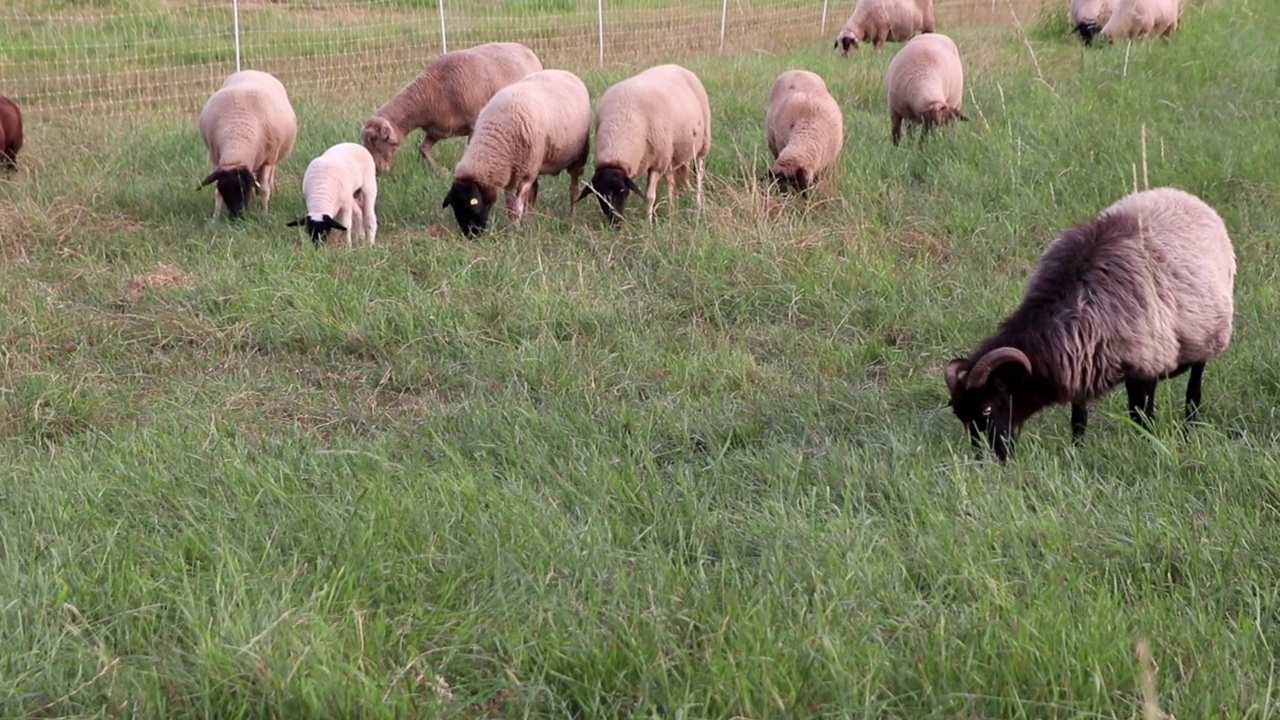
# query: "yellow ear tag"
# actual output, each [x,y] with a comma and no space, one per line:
[475,201]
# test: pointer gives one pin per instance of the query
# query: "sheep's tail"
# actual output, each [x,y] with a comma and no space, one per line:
[1087,29]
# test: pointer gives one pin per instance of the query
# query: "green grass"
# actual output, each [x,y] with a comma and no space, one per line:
[698,470]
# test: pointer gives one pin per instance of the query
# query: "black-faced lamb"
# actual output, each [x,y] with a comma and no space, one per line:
[249,128]
[10,133]
[881,21]
[540,125]
[804,129]
[446,98]
[1140,293]
[925,84]
[1134,18]
[341,191]
[657,123]
[1087,17]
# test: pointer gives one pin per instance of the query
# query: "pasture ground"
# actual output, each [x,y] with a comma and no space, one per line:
[698,470]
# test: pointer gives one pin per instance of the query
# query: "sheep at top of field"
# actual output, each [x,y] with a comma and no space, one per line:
[10,133]
[656,122]
[446,98]
[804,128]
[341,191]
[1088,16]
[1134,18]
[249,127]
[537,126]
[1140,293]
[925,84]
[883,21]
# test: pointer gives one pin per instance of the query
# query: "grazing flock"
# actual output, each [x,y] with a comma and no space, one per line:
[1140,293]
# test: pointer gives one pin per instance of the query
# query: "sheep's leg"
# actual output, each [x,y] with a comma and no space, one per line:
[265,178]
[896,131]
[531,196]
[425,151]
[671,190]
[1193,393]
[1079,421]
[217,204]
[651,194]
[574,182]
[699,165]
[368,198]
[350,217]
[1142,396]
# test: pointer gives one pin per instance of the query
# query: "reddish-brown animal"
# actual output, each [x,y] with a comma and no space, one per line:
[10,133]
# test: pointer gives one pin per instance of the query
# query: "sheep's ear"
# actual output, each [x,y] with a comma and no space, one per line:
[802,179]
[962,116]
[447,197]
[296,223]
[586,190]
[212,177]
[631,185]
[334,224]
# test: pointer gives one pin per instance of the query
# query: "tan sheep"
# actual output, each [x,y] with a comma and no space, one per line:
[249,128]
[804,128]
[1135,18]
[925,84]
[341,191]
[1088,16]
[445,99]
[657,122]
[538,126]
[883,21]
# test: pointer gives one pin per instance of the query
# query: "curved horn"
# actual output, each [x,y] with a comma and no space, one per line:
[956,371]
[987,363]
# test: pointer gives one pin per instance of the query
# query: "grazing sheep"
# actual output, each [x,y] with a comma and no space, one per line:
[1134,18]
[341,190]
[656,122]
[1088,16]
[884,20]
[10,133]
[249,128]
[925,84]
[445,99]
[538,126]
[804,128]
[1140,293]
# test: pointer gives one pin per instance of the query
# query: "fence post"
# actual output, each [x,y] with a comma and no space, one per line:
[600,25]
[724,16]
[824,16]
[444,42]
[235,21]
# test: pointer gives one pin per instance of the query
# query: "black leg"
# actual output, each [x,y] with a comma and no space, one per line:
[1079,421]
[1193,393]
[1142,395]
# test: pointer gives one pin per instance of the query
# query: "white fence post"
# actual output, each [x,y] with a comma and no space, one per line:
[824,16]
[724,16]
[235,21]
[444,42]
[600,25]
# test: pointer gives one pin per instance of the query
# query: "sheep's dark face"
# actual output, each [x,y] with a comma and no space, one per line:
[798,181]
[235,185]
[611,186]
[984,398]
[846,43]
[318,229]
[471,204]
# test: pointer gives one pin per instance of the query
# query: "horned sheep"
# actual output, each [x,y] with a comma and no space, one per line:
[1087,17]
[340,188]
[10,133]
[658,123]
[538,126]
[249,128]
[804,129]
[1133,18]
[925,84]
[446,98]
[1140,293]
[884,20]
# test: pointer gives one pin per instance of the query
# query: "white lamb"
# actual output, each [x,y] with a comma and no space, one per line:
[341,190]
[249,128]
[657,122]
[538,126]
[883,21]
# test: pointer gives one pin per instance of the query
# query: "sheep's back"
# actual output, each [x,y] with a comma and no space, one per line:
[459,83]
[659,119]
[927,69]
[249,121]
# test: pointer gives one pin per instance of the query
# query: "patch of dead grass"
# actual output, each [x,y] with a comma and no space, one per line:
[163,276]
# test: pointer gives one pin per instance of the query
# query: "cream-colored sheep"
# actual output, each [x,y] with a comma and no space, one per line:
[1088,16]
[445,99]
[925,83]
[341,191]
[804,128]
[249,128]
[538,126]
[656,122]
[883,21]
[1134,18]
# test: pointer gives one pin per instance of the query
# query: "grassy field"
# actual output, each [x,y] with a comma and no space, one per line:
[698,470]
